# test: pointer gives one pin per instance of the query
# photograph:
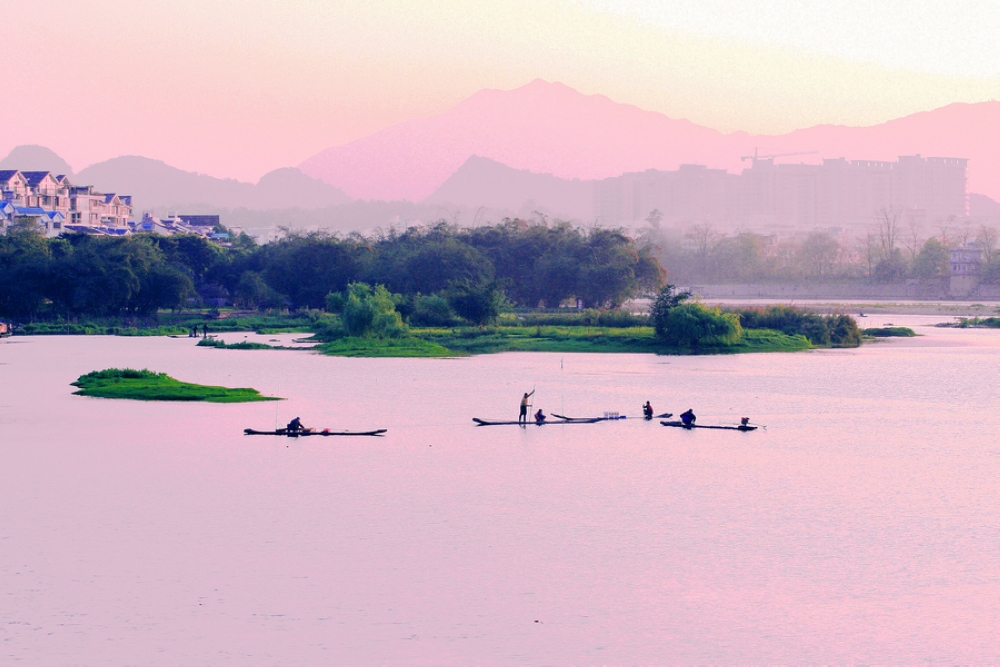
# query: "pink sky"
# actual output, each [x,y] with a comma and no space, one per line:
[235,89]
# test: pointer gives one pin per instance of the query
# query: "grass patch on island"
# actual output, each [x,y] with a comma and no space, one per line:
[146,385]
[359,346]
[973,323]
[889,332]
[461,341]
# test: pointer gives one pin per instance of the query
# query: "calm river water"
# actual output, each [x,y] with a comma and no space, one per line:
[862,526]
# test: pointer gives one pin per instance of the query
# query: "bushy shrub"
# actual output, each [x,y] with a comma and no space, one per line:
[844,331]
[477,305]
[835,330]
[432,311]
[668,299]
[694,325]
[335,302]
[371,312]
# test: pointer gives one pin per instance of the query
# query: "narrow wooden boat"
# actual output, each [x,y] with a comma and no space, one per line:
[308,432]
[532,422]
[720,428]
[587,420]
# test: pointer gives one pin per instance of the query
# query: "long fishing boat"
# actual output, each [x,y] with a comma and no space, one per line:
[588,420]
[307,432]
[678,424]
[532,422]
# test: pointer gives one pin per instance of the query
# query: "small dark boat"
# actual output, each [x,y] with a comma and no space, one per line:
[720,428]
[301,434]
[532,422]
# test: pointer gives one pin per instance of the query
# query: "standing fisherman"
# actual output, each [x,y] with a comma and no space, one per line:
[523,415]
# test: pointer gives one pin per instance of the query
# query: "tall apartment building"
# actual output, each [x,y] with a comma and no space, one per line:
[836,193]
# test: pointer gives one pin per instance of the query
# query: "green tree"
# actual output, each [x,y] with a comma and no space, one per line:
[432,311]
[252,291]
[933,260]
[478,305]
[892,269]
[668,299]
[24,271]
[818,255]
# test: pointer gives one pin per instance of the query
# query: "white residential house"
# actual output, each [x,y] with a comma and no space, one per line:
[56,205]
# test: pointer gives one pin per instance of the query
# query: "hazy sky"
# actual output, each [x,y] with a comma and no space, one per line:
[235,88]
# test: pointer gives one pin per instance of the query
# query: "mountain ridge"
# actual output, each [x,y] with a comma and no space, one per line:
[158,186]
[551,128]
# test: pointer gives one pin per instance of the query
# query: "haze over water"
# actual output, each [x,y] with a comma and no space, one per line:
[861,526]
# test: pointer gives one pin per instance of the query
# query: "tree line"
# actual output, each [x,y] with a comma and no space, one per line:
[439,271]
[890,251]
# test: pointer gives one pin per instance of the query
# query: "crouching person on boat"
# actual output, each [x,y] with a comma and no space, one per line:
[295,426]
[540,417]
[647,411]
[688,418]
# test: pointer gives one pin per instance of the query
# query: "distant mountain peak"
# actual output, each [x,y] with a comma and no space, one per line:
[29,157]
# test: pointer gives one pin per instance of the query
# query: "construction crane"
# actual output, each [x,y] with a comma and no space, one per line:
[756,157]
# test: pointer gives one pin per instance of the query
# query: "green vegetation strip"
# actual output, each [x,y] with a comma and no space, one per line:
[889,332]
[473,340]
[146,385]
[974,323]
[242,345]
[356,346]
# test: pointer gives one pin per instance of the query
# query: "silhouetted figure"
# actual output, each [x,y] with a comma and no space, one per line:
[688,418]
[647,411]
[295,426]
[540,417]
[204,330]
[522,417]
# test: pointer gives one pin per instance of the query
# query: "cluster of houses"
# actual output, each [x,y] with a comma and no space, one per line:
[55,206]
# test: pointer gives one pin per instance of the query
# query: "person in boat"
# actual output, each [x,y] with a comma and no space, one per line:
[540,417]
[647,411]
[295,426]
[744,422]
[522,417]
[688,418]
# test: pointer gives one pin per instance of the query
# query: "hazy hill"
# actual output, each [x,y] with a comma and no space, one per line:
[543,127]
[155,185]
[485,182]
[35,158]
[981,206]
[550,128]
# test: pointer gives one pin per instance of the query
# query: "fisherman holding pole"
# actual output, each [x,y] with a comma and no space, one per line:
[523,415]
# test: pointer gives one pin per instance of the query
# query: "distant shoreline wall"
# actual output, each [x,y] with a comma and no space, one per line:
[938,289]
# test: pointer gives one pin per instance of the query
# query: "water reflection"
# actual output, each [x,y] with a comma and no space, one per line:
[861,526]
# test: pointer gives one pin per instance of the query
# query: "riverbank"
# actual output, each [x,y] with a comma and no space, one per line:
[146,385]
[532,331]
